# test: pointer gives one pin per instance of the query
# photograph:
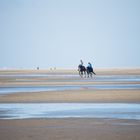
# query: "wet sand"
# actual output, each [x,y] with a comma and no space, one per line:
[72,128]
[73,96]
[33,78]
[69,129]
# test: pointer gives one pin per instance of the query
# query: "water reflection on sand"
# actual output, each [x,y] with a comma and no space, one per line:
[70,110]
[8,90]
[130,78]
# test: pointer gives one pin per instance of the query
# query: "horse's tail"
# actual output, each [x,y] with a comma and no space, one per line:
[93,72]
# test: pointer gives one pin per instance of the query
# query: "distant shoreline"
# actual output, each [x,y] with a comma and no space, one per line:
[99,71]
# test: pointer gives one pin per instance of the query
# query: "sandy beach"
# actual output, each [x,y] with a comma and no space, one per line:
[70,128]
[70,70]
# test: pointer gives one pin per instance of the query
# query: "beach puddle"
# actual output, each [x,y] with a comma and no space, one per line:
[38,75]
[70,110]
[117,78]
[9,90]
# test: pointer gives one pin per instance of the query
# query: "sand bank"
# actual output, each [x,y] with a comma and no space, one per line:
[100,71]
[83,95]
[67,77]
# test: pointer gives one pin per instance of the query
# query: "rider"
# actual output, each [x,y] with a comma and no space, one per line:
[81,64]
[81,68]
[89,65]
[90,68]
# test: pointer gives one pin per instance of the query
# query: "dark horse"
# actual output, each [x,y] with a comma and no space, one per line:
[83,71]
[90,71]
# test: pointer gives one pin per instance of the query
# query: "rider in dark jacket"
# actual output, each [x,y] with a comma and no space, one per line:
[80,65]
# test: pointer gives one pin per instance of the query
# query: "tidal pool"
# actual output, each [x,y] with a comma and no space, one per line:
[70,110]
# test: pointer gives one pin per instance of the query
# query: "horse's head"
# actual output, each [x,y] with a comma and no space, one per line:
[79,67]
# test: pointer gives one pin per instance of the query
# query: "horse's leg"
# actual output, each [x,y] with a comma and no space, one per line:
[91,74]
[87,74]
[81,74]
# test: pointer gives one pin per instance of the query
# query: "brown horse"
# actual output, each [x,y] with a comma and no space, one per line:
[82,70]
[90,71]
[85,71]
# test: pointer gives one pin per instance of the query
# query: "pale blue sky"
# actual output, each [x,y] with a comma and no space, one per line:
[58,33]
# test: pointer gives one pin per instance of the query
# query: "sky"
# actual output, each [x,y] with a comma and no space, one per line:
[59,33]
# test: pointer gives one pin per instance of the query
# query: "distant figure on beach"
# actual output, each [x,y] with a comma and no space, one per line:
[90,70]
[81,62]
[81,69]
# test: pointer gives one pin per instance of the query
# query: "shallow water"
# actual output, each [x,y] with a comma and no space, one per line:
[118,78]
[9,90]
[70,110]
[97,78]
[39,75]
[109,78]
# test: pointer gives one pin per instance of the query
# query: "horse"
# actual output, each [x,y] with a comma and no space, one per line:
[86,71]
[82,70]
[90,71]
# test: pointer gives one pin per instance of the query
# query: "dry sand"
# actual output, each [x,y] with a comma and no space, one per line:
[68,129]
[99,71]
